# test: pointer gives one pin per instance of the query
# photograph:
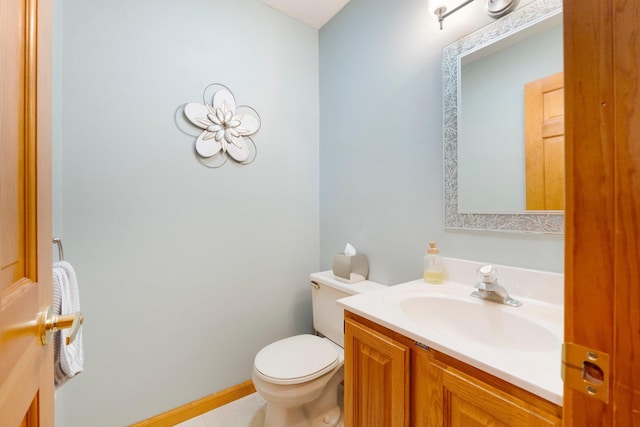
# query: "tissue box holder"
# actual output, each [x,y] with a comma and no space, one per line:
[350,269]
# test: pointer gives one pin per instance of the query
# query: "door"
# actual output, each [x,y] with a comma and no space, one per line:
[602,249]
[26,366]
[544,142]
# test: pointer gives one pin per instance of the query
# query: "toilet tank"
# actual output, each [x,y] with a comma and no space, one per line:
[328,317]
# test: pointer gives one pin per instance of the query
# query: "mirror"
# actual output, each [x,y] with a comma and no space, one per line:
[485,188]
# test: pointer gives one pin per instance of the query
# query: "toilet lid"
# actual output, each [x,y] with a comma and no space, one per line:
[296,359]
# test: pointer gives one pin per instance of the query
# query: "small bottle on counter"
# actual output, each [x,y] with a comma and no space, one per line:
[433,269]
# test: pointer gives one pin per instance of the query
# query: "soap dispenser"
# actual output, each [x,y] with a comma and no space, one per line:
[433,269]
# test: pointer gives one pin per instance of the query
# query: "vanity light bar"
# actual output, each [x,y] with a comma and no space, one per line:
[494,8]
[441,10]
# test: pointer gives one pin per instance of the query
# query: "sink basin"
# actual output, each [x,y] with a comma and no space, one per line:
[488,323]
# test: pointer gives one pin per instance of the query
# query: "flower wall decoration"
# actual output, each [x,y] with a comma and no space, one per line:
[226,127]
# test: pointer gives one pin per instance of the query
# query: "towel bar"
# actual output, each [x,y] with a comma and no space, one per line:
[58,242]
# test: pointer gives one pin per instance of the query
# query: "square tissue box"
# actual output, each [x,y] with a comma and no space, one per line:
[350,268]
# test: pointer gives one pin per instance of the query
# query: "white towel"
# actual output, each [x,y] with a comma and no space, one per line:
[69,359]
[59,376]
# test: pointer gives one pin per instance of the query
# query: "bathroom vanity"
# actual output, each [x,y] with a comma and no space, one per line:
[432,355]
[391,380]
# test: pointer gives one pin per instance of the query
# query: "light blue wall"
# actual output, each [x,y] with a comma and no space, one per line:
[185,272]
[381,143]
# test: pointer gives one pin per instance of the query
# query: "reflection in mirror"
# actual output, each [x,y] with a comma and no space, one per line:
[491,142]
[490,173]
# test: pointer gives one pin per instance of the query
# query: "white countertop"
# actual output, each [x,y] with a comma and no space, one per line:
[527,364]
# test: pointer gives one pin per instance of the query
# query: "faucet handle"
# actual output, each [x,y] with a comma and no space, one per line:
[489,273]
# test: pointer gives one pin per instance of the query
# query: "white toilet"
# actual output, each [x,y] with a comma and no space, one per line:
[299,376]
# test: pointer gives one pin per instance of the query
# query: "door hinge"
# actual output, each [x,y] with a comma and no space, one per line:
[586,370]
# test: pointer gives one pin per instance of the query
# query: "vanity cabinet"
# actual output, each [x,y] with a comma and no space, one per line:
[392,381]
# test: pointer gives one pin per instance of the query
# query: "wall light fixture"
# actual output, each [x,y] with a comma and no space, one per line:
[494,8]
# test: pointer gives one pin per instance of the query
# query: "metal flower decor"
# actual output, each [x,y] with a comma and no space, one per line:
[226,128]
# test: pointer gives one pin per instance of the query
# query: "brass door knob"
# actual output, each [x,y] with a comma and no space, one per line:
[50,322]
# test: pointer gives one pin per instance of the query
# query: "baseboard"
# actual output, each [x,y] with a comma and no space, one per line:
[198,407]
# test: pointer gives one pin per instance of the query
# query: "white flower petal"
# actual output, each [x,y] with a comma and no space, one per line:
[220,134]
[206,135]
[196,112]
[228,136]
[224,97]
[214,119]
[249,125]
[233,132]
[205,121]
[207,147]
[228,116]
[239,152]
[233,123]
[214,128]
[220,115]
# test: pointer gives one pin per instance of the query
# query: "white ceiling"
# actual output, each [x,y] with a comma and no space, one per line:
[315,13]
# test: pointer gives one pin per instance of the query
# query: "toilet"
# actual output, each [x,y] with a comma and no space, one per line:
[299,376]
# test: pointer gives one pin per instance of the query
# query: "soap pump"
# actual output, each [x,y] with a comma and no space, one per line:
[433,269]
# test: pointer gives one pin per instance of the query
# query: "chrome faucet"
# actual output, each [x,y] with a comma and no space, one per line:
[489,288]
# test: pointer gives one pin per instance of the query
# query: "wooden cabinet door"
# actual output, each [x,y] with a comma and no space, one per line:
[376,379]
[459,400]
[26,366]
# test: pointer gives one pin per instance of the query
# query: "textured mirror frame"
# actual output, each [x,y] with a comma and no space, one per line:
[550,222]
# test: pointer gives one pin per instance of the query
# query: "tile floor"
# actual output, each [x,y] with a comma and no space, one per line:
[245,412]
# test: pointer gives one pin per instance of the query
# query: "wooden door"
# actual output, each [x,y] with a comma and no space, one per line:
[544,142]
[376,378]
[602,249]
[26,366]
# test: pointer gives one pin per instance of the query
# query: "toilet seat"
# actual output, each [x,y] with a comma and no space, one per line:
[296,359]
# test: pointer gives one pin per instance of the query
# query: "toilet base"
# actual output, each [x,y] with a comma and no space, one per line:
[322,411]
[299,417]
[289,417]
[325,411]
[329,417]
